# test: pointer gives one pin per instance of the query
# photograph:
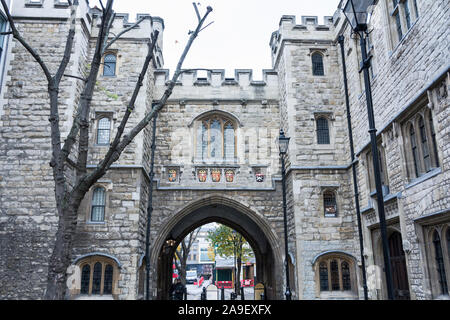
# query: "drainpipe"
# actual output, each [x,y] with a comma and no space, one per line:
[355,184]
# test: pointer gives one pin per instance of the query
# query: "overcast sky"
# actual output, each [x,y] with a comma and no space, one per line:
[238,38]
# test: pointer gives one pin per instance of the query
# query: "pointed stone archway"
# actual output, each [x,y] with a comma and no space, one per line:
[253,226]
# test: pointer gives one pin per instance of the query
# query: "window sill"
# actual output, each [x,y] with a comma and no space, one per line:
[423,177]
[95,297]
[216,163]
[338,295]
[95,223]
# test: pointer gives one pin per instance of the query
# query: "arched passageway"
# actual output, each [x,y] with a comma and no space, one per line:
[264,242]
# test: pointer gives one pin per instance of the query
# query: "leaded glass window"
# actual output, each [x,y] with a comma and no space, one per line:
[97,278]
[215,139]
[345,269]
[317,64]
[334,275]
[323,274]
[425,151]
[433,140]
[229,140]
[440,262]
[85,279]
[98,205]
[109,67]
[399,25]
[107,284]
[323,133]
[413,142]
[448,241]
[407,14]
[415,7]
[103,131]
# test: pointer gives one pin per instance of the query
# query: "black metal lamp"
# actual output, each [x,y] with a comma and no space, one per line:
[358,13]
[283,144]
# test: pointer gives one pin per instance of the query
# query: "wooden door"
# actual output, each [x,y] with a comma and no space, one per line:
[398,266]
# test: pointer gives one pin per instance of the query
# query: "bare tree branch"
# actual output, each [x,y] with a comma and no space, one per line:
[88,180]
[69,42]
[106,46]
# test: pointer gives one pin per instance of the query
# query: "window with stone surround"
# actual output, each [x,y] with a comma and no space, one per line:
[317,64]
[420,144]
[98,205]
[335,275]
[109,64]
[98,276]
[215,138]
[402,15]
[322,130]
[329,204]
[103,131]
[438,253]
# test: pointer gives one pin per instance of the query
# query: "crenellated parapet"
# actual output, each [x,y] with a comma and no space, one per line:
[216,86]
[309,31]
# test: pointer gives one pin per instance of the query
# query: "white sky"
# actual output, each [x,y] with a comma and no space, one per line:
[238,38]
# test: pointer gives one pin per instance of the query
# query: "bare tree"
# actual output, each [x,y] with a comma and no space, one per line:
[69,194]
[182,254]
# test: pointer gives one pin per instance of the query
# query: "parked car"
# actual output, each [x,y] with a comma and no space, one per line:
[191,276]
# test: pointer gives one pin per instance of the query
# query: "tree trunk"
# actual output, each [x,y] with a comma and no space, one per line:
[62,253]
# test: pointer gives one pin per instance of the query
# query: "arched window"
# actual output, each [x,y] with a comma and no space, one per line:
[98,276]
[103,131]
[414,151]
[345,269]
[323,133]
[448,241]
[98,205]
[109,66]
[329,204]
[424,144]
[85,279]
[438,255]
[433,139]
[335,272]
[317,64]
[323,275]
[216,139]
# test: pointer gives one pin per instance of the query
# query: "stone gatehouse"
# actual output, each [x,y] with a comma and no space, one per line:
[217,158]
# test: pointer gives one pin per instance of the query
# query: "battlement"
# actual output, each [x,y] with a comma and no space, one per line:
[216,86]
[216,78]
[308,22]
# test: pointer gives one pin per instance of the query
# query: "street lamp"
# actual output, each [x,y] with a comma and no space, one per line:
[358,14]
[283,143]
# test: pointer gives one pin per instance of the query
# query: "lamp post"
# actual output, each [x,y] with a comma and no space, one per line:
[283,145]
[358,14]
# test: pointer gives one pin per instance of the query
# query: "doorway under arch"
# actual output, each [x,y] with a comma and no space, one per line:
[266,244]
